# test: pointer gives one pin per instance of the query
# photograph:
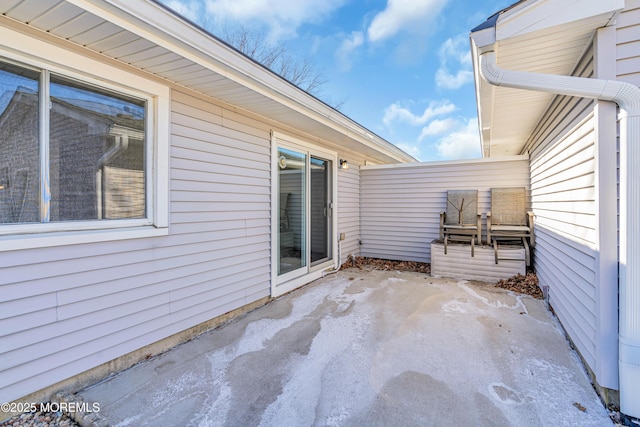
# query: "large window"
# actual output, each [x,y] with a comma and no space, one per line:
[84,148]
[70,151]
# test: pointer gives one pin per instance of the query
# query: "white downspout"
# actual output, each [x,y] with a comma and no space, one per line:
[627,96]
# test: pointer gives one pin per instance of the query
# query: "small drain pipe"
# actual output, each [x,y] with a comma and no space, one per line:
[335,270]
[627,96]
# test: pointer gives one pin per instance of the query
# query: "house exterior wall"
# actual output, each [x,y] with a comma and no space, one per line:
[68,309]
[65,310]
[349,206]
[627,47]
[400,205]
[568,172]
[563,192]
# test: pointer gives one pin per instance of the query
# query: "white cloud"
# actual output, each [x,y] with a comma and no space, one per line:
[410,149]
[395,112]
[189,9]
[457,49]
[446,80]
[444,139]
[347,49]
[403,15]
[461,144]
[438,127]
[454,53]
[283,17]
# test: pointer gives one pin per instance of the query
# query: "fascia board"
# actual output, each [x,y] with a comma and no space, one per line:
[484,93]
[156,24]
[515,158]
[543,14]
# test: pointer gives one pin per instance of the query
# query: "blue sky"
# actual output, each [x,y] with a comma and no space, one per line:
[401,68]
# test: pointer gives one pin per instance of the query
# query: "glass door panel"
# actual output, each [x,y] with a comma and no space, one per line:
[292,234]
[320,210]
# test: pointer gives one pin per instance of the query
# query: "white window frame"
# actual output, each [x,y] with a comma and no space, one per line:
[45,56]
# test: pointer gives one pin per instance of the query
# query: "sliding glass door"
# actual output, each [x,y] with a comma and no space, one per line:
[292,186]
[320,208]
[304,211]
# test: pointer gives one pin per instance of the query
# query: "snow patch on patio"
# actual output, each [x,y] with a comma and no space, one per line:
[340,335]
[357,348]
[260,331]
[337,354]
[497,303]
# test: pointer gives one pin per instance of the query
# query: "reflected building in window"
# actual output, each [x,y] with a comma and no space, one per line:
[91,167]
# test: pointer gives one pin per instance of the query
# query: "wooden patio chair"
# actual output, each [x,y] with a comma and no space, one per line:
[509,220]
[461,220]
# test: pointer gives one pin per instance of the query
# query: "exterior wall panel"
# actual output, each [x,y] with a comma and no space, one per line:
[66,310]
[400,205]
[628,43]
[349,209]
[563,192]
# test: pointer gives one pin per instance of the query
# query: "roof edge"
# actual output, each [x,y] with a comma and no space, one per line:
[165,27]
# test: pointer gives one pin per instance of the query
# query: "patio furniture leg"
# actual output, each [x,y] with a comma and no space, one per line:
[495,249]
[527,255]
[472,246]
[445,244]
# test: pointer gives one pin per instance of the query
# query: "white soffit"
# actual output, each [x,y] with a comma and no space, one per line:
[543,36]
[531,17]
[145,35]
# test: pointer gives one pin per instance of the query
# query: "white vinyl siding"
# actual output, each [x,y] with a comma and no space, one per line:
[563,195]
[400,205]
[628,47]
[628,43]
[457,262]
[349,209]
[65,310]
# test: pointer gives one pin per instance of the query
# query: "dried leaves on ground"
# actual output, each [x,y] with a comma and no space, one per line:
[387,265]
[522,284]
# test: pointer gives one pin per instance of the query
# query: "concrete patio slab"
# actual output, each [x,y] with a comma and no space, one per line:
[369,348]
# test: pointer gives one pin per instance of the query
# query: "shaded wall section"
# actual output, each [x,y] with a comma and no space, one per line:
[574,193]
[348,208]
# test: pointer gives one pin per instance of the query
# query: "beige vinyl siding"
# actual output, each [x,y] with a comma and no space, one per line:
[628,43]
[65,310]
[400,205]
[563,194]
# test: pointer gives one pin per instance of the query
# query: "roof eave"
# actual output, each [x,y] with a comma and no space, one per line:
[166,28]
[522,20]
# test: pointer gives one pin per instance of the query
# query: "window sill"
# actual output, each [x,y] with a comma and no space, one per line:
[43,240]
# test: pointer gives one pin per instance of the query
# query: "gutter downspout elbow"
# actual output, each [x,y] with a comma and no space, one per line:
[627,96]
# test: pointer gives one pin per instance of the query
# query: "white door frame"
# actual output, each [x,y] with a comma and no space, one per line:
[286,283]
